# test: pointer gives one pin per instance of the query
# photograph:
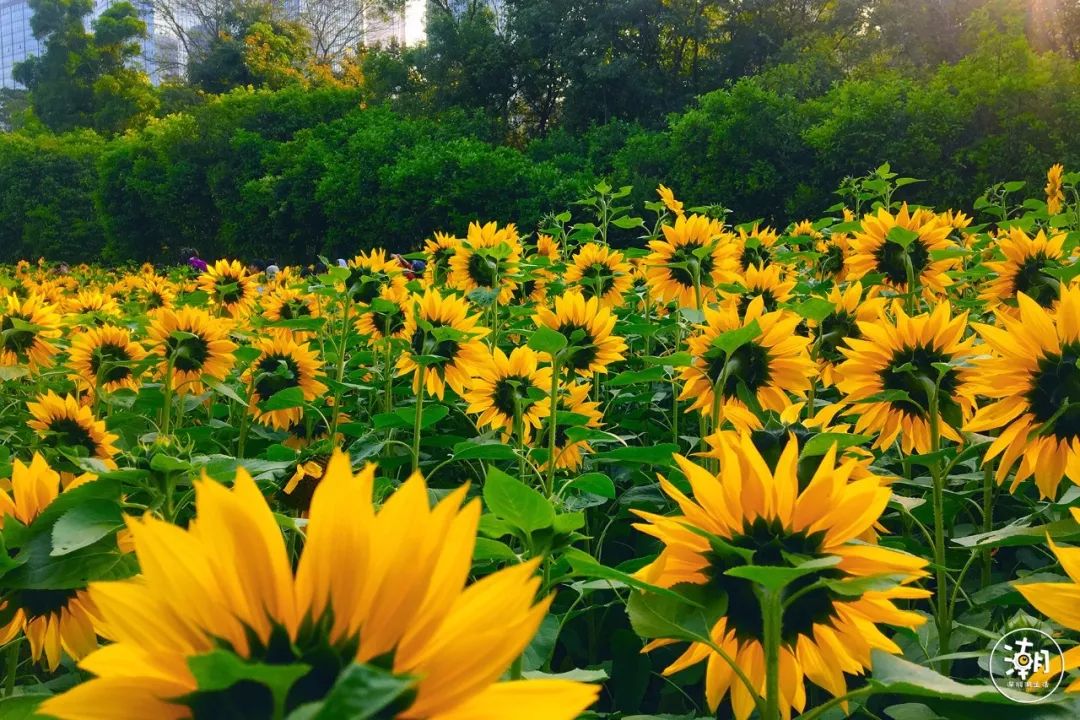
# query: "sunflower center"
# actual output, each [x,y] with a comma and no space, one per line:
[67,432]
[154,300]
[832,261]
[585,351]
[832,331]
[364,286]
[293,309]
[274,374]
[683,258]
[423,344]
[774,546]
[483,270]
[1055,392]
[110,363]
[767,297]
[229,289]
[770,443]
[189,351]
[597,280]
[388,323]
[892,260]
[512,392]
[1031,281]
[253,700]
[757,255]
[748,364]
[39,603]
[910,370]
[15,341]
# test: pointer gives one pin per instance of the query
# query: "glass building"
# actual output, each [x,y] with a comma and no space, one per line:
[16,40]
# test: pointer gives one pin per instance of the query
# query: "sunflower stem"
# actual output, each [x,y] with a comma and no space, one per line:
[388,388]
[553,421]
[519,433]
[166,408]
[937,477]
[340,374]
[988,519]
[772,610]
[12,667]
[675,388]
[417,422]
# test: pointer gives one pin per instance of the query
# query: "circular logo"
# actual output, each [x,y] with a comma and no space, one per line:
[1026,665]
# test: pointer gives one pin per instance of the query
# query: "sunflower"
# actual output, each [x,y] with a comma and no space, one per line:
[756,247]
[388,313]
[26,329]
[905,357]
[371,274]
[156,292]
[833,251]
[1055,196]
[54,621]
[438,252]
[197,344]
[384,588]
[587,325]
[598,271]
[445,339]
[283,363]
[286,303]
[574,400]
[92,302]
[667,196]
[694,243]
[831,333]
[806,229]
[486,260]
[547,247]
[229,285]
[1061,603]
[769,365]
[748,507]
[65,422]
[768,282]
[103,358]
[1034,380]
[501,393]
[875,249]
[1023,269]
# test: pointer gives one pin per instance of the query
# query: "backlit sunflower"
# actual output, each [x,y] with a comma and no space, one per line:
[769,366]
[387,589]
[587,326]
[439,250]
[386,315]
[1061,603]
[92,302]
[54,621]
[781,519]
[105,358]
[1055,195]
[156,292]
[695,246]
[283,363]
[548,247]
[444,347]
[1023,269]
[755,247]
[906,357]
[64,422]
[27,329]
[229,287]
[833,331]
[197,344]
[1034,380]
[833,251]
[573,399]
[667,196]
[879,248]
[598,271]
[370,274]
[286,303]
[771,283]
[500,392]
[487,260]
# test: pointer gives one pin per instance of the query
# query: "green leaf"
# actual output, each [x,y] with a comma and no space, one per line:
[22,707]
[361,692]
[897,676]
[651,455]
[546,340]
[821,443]
[13,372]
[516,502]
[902,236]
[432,413]
[637,377]
[84,525]
[219,670]
[224,390]
[816,309]
[628,223]
[732,340]
[1066,530]
[475,450]
[487,549]
[672,615]
[284,400]
[776,577]
[577,675]
[595,483]
[585,565]
[163,463]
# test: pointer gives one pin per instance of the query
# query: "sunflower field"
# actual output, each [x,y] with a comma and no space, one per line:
[636,463]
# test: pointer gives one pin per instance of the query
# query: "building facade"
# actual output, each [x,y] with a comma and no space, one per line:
[16,39]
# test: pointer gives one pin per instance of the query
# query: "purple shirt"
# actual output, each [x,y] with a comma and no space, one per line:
[197,263]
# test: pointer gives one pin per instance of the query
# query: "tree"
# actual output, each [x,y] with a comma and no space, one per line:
[85,79]
[337,28]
